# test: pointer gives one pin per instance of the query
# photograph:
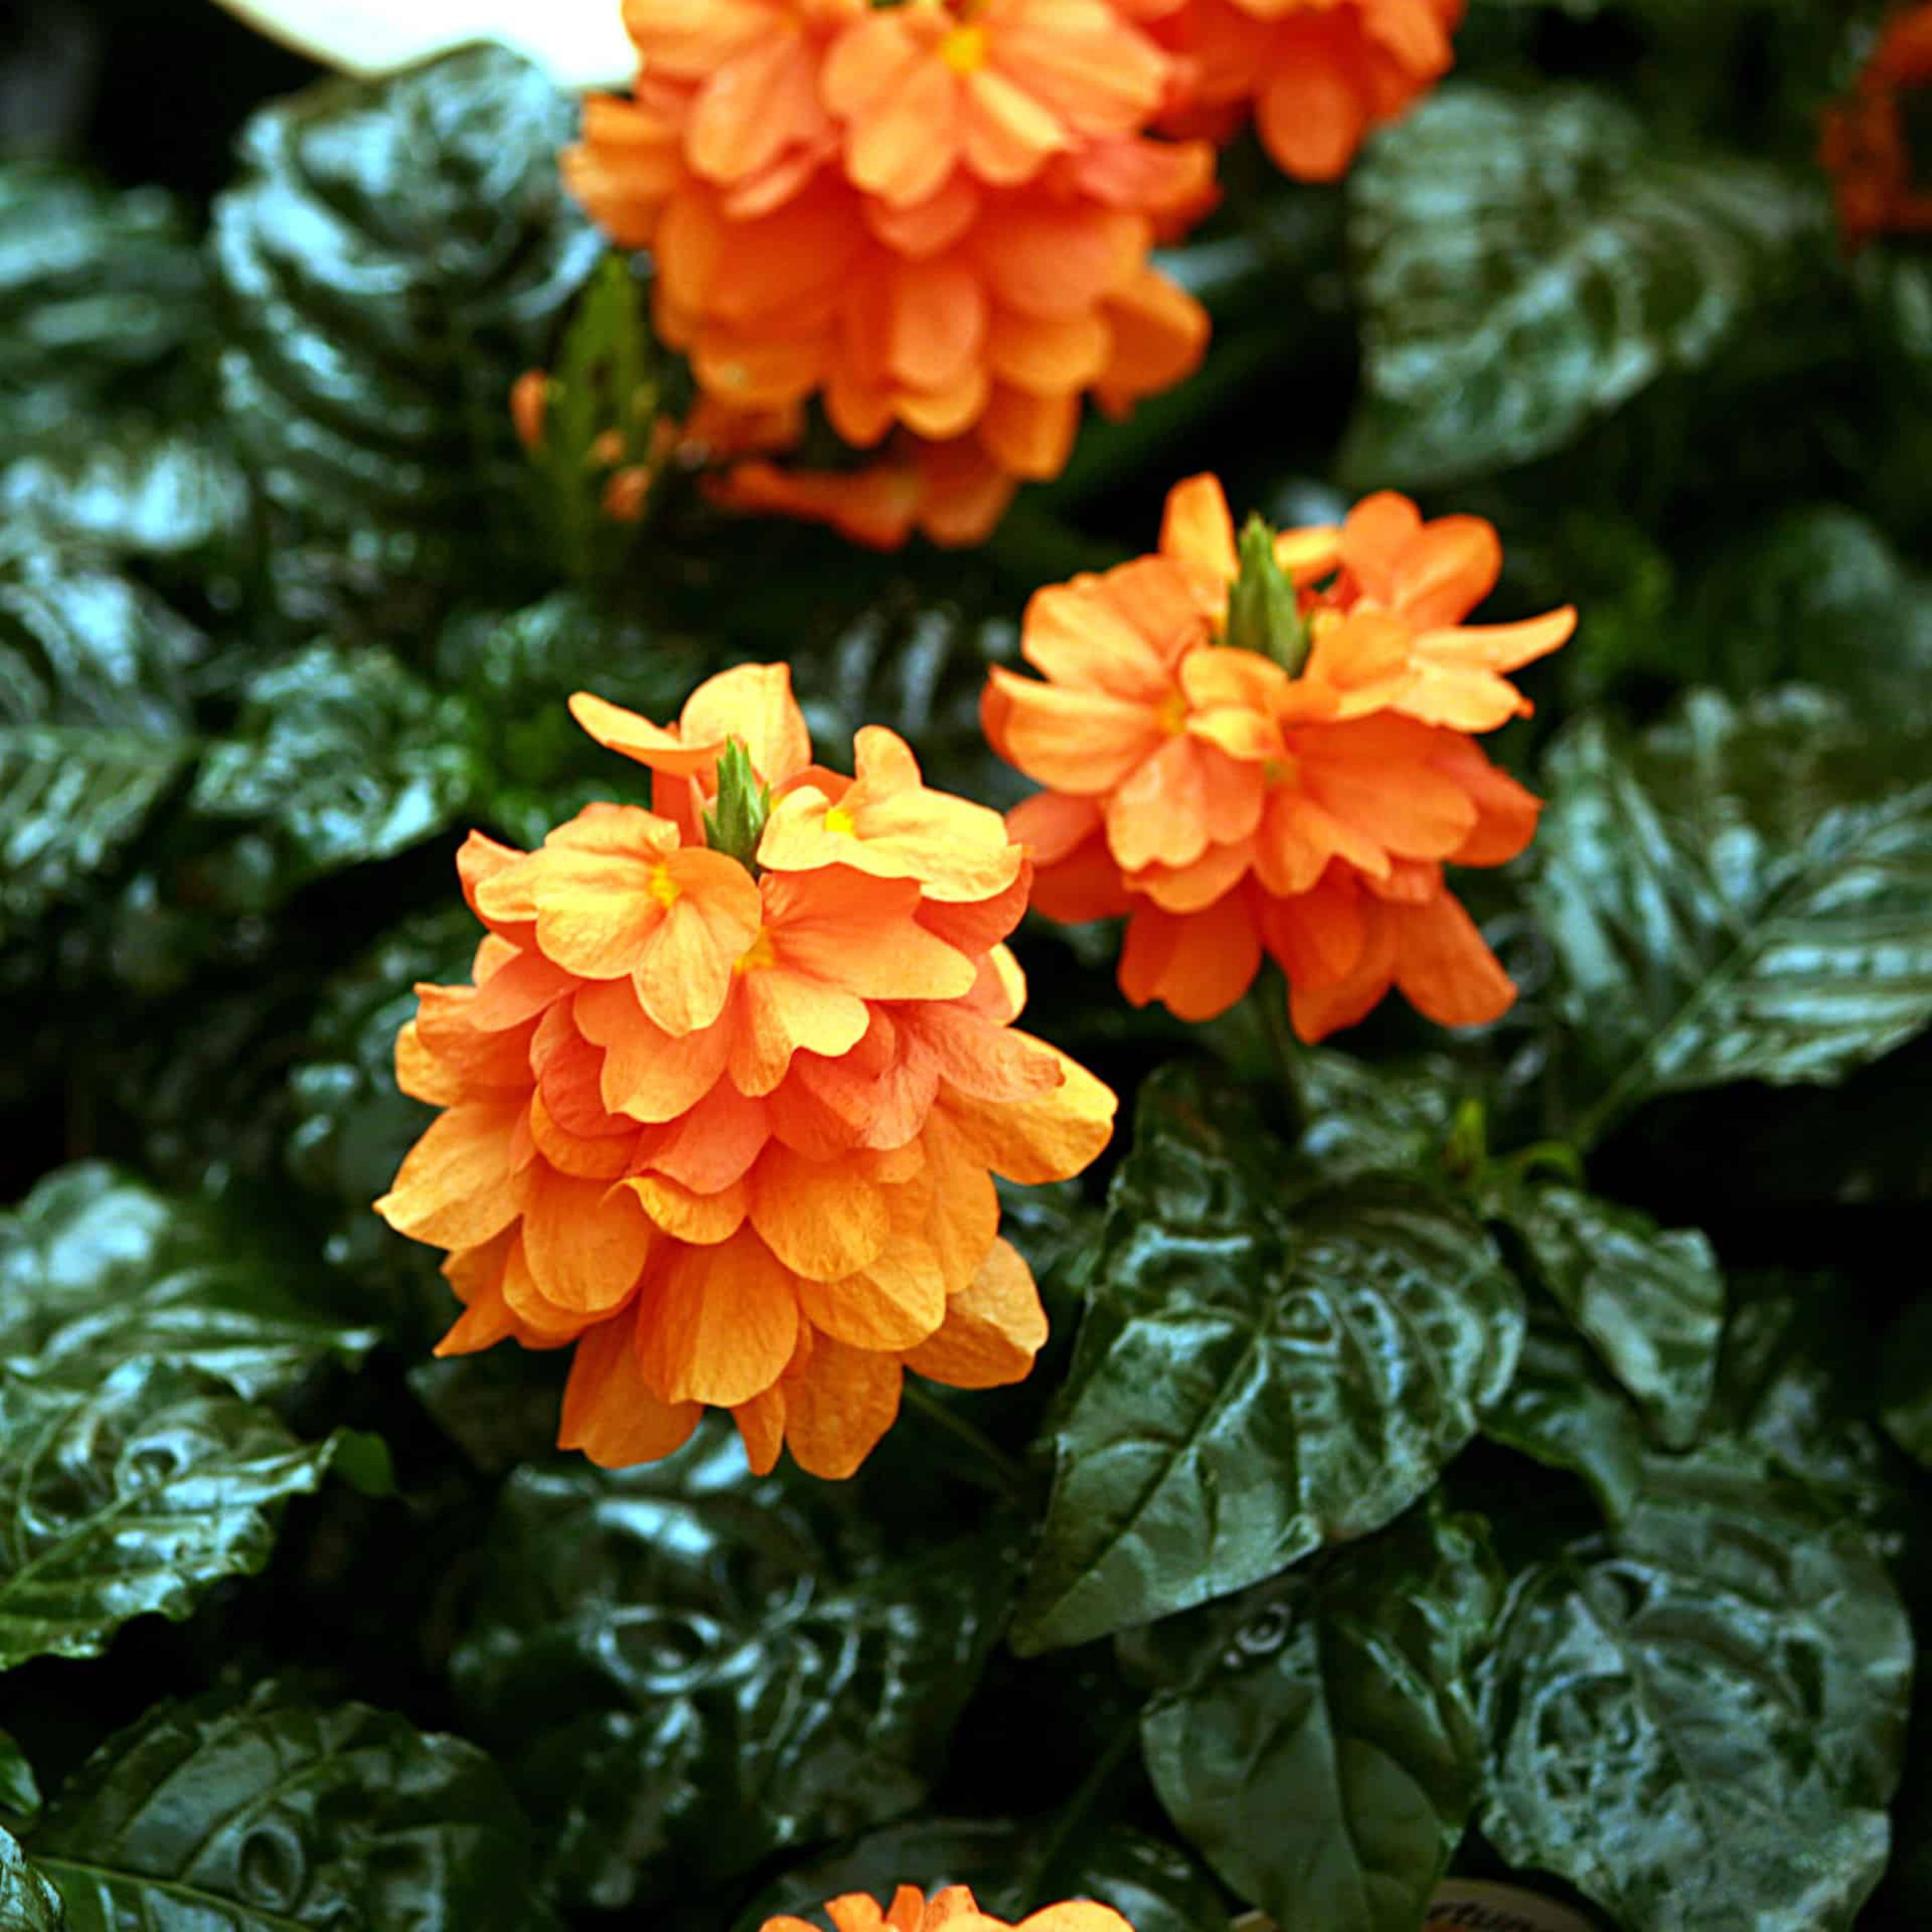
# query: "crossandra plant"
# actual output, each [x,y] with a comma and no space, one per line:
[770,744]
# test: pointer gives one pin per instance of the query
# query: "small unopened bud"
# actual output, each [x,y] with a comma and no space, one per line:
[1264,612]
[626,494]
[737,823]
[529,403]
[607,449]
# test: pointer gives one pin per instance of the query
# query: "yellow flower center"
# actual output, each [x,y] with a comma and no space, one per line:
[664,888]
[964,50]
[760,953]
[840,821]
[1172,715]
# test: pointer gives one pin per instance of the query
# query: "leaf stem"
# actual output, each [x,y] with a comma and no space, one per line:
[1074,1814]
[1012,1477]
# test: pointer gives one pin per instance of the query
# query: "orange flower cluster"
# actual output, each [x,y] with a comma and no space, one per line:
[1319,74]
[952,1909]
[936,218]
[1865,147]
[723,1103]
[1265,748]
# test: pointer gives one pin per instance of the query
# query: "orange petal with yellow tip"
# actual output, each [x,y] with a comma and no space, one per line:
[610,1412]
[1498,647]
[1005,133]
[1045,1138]
[994,1327]
[421,1075]
[1197,526]
[823,1220]
[585,1242]
[717,1324]
[458,1186]
[703,1220]
[617,730]
[839,1406]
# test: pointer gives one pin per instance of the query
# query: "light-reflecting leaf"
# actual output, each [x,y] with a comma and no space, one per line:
[130,1496]
[1321,1749]
[96,1268]
[1254,1379]
[688,1669]
[1742,893]
[339,757]
[1526,263]
[393,256]
[260,1811]
[28,1903]
[1651,1302]
[19,1793]
[1699,1722]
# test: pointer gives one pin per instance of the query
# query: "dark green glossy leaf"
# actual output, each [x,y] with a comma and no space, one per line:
[94,724]
[132,1496]
[1321,1749]
[340,756]
[1651,1303]
[138,488]
[99,291]
[1740,894]
[1700,1724]
[1525,263]
[20,1794]
[1155,1887]
[689,1669]
[1820,595]
[1250,1383]
[518,668]
[96,1268]
[257,1811]
[1360,1119]
[1907,1392]
[394,255]
[1561,1409]
[28,1903]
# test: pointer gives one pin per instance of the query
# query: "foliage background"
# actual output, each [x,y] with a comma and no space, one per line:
[1511,1457]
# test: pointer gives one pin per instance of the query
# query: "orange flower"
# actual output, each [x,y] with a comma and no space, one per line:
[1320,74]
[937,219]
[1864,145]
[1263,749]
[953,1908]
[722,1104]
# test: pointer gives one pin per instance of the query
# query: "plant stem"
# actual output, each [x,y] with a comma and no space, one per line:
[1012,1477]
[1077,1808]
[1270,999]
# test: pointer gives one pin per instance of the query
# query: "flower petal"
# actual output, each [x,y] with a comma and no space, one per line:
[993,1329]
[718,1324]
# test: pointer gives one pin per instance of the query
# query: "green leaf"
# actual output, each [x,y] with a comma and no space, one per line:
[1699,1722]
[1525,263]
[100,292]
[1741,893]
[1820,595]
[690,1669]
[133,487]
[96,1269]
[20,1794]
[517,669]
[1155,1887]
[130,1496]
[257,1811]
[340,756]
[28,1904]
[1322,1751]
[1907,1389]
[1251,1382]
[1562,1409]
[1651,1303]
[394,255]
[94,723]
[1360,1119]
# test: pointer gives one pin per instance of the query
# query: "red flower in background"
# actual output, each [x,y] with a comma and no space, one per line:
[1866,147]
